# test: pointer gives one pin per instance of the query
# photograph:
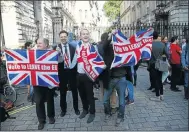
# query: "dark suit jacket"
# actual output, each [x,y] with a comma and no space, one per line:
[72,53]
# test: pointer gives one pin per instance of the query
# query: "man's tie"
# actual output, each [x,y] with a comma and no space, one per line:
[66,57]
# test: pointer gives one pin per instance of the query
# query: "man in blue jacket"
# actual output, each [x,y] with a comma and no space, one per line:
[184,61]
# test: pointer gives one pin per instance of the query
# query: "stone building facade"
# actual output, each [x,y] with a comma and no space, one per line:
[144,11]
[169,16]
[18,22]
[63,17]
[87,15]
[25,21]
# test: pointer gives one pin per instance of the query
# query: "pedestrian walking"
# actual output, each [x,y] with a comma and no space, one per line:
[67,75]
[44,94]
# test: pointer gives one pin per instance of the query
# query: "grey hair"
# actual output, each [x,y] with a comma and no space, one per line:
[45,40]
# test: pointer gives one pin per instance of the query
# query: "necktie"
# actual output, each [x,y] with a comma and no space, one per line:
[66,57]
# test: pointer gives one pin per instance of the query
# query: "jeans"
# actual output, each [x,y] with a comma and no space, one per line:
[130,90]
[186,78]
[120,85]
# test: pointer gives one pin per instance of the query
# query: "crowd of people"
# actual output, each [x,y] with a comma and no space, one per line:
[113,82]
[176,57]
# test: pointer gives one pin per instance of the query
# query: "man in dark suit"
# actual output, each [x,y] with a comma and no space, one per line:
[67,75]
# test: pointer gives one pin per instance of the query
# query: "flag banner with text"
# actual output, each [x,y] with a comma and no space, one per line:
[32,67]
[92,62]
[128,52]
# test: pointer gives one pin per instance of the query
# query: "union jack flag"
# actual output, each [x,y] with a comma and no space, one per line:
[128,52]
[66,60]
[32,67]
[91,60]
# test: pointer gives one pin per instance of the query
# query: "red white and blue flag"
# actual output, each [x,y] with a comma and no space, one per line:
[32,67]
[66,61]
[92,62]
[128,52]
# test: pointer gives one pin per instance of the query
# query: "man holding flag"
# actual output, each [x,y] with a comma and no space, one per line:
[43,94]
[123,52]
[115,79]
[89,67]
[67,74]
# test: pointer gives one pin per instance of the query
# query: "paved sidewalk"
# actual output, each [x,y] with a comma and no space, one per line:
[171,114]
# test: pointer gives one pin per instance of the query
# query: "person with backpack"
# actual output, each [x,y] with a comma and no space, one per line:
[184,61]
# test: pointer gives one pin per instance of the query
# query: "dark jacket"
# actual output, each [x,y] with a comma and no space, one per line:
[72,53]
[106,51]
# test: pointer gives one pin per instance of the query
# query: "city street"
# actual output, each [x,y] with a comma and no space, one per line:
[143,115]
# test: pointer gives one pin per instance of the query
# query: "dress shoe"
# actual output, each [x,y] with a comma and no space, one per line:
[77,112]
[41,125]
[51,120]
[62,114]
[154,90]
[91,118]
[83,114]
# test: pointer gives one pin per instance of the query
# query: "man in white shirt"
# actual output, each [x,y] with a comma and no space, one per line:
[85,84]
[67,75]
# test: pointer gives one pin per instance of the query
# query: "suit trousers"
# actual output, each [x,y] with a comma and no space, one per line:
[68,77]
[85,87]
[42,95]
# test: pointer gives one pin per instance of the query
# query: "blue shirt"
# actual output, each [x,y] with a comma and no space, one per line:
[74,43]
[184,56]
